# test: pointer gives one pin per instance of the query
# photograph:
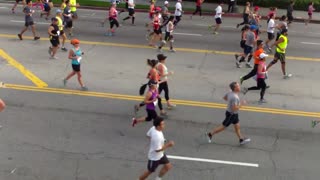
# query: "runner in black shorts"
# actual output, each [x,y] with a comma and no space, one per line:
[16,3]
[168,36]
[46,11]
[67,18]
[28,21]
[131,6]
[54,34]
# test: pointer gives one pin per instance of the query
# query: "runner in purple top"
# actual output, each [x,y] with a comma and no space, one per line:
[151,101]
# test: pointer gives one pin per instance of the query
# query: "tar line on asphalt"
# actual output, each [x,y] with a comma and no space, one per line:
[176,101]
[28,74]
[14,36]
[213,161]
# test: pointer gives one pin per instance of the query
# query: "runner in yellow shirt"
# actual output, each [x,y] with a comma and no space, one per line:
[73,8]
[60,25]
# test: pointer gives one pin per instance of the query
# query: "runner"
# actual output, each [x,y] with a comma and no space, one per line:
[113,18]
[126,7]
[165,13]
[39,3]
[67,18]
[63,5]
[156,153]
[152,11]
[75,55]
[255,20]
[131,6]
[290,11]
[273,10]
[168,36]
[28,21]
[246,13]
[16,4]
[257,53]
[281,26]
[232,114]
[281,46]
[231,6]
[73,8]
[178,13]
[218,17]
[314,123]
[261,75]
[270,31]
[310,11]
[164,73]
[54,34]
[47,9]
[248,47]
[151,101]
[198,8]
[244,31]
[60,24]
[157,32]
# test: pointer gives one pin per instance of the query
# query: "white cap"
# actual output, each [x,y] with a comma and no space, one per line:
[263,55]
[166,2]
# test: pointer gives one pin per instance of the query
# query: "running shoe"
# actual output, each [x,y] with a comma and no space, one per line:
[84,88]
[215,33]
[172,50]
[210,27]
[241,80]
[208,136]
[238,25]
[49,51]
[248,65]
[134,122]
[20,36]
[163,113]
[53,57]
[314,123]
[36,38]
[64,82]
[245,90]
[244,141]
[287,76]
[238,64]
[64,49]
[261,101]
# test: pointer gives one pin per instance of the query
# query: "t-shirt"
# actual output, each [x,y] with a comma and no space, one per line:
[310,9]
[250,38]
[73,3]
[270,28]
[67,11]
[257,54]
[28,17]
[164,10]
[233,99]
[178,11]
[218,12]
[132,4]
[156,143]
[60,24]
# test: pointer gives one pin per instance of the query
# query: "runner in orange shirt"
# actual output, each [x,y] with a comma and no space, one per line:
[256,55]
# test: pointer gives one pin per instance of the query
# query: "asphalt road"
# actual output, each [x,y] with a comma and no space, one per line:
[59,133]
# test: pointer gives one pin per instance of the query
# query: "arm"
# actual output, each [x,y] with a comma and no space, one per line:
[147,97]
[280,40]
[71,54]
[225,97]
[49,31]
[166,146]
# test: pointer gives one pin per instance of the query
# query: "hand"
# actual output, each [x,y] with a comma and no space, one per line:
[170,144]
[243,102]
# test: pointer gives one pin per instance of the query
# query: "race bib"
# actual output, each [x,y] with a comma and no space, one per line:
[79,59]
[155,102]
[58,32]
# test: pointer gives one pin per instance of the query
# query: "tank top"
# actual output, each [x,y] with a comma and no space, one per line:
[262,76]
[282,45]
[60,24]
[78,53]
[55,31]
[165,71]
[156,22]
[152,106]
[169,27]
[113,13]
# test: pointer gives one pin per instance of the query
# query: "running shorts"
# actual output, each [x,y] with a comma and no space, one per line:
[55,42]
[46,7]
[247,49]
[75,67]
[270,36]
[152,165]
[28,23]
[68,23]
[280,56]
[113,22]
[74,14]
[310,15]
[242,43]
[131,11]
[168,36]
[157,31]
[218,20]
[230,119]
[152,114]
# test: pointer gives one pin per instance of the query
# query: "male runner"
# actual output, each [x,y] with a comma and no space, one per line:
[28,21]
[198,8]
[281,46]
[16,3]
[232,116]
[131,6]
[60,25]
[178,12]
[156,153]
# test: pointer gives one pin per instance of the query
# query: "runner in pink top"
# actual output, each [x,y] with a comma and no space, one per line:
[113,19]
[310,11]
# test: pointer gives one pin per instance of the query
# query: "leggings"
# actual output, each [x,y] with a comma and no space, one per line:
[245,19]
[177,20]
[164,86]
[261,84]
[198,9]
[252,73]
[159,104]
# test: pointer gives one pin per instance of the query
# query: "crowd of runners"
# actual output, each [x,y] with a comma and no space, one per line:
[160,18]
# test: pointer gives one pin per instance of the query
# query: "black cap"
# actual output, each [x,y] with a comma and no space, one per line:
[284,31]
[54,19]
[161,57]
[259,42]
[152,82]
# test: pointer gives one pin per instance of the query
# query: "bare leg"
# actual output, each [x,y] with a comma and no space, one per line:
[165,169]
[70,75]
[217,129]
[145,175]
[33,28]
[24,30]
[237,130]
[54,51]
[80,79]
[283,68]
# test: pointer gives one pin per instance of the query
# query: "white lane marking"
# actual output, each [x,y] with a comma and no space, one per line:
[310,43]
[213,161]
[24,22]
[187,34]
[207,25]
[4,8]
